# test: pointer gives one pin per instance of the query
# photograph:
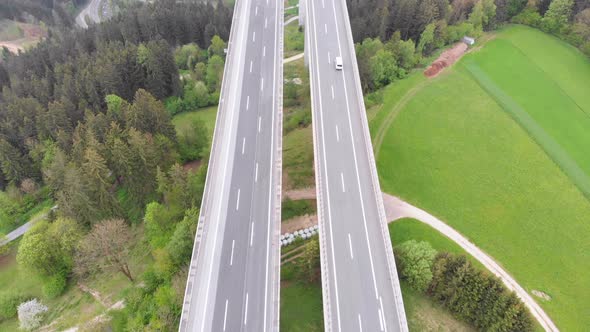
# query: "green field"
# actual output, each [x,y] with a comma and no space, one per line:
[207,114]
[454,151]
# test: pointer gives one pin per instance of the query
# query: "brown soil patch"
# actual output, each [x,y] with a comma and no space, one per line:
[297,194]
[6,260]
[542,295]
[32,34]
[297,223]
[446,59]
[192,165]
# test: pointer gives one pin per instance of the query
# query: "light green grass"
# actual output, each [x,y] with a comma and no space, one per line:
[544,101]
[454,152]
[9,30]
[293,40]
[207,114]
[298,158]
[301,302]
[425,315]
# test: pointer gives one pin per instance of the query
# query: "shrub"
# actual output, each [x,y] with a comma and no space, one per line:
[293,208]
[9,301]
[30,314]
[528,17]
[54,286]
[414,262]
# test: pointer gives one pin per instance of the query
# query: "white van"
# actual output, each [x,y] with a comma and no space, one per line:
[338,62]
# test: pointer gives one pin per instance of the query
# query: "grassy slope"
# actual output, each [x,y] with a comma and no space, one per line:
[207,114]
[454,152]
[301,303]
[548,91]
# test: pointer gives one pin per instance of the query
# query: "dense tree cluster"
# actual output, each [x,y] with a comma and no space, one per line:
[477,296]
[52,12]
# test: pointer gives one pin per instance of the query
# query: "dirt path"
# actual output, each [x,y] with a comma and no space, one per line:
[293,58]
[396,209]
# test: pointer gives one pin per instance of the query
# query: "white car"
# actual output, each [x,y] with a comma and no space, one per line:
[338,62]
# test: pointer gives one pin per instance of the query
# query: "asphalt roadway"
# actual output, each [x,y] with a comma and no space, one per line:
[360,286]
[234,278]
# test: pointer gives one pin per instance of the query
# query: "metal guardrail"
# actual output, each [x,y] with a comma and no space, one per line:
[278,174]
[375,179]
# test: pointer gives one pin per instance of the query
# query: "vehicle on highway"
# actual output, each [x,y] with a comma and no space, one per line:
[338,62]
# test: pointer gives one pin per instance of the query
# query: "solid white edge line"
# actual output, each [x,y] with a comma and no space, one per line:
[356,163]
[312,14]
[350,246]
[225,315]
[222,185]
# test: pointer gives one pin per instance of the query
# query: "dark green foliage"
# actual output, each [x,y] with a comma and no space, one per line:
[476,296]
[180,246]
[9,301]
[193,141]
[293,208]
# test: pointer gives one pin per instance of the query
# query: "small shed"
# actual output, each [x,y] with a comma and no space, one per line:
[469,40]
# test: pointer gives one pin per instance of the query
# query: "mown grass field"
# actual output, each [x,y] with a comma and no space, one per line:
[455,152]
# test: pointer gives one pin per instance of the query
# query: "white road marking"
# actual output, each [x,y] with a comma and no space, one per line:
[329,58]
[246,310]
[360,324]
[323,3]
[264,51]
[265,22]
[262,84]
[251,63]
[332,87]
[238,201]
[225,315]
[323,140]
[259,123]
[256,174]
[350,246]
[342,180]
[356,167]
[337,134]
[231,258]
[243,145]
[326,28]
[383,311]
[247,102]
[256,11]
[381,319]
[254,36]
[252,235]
